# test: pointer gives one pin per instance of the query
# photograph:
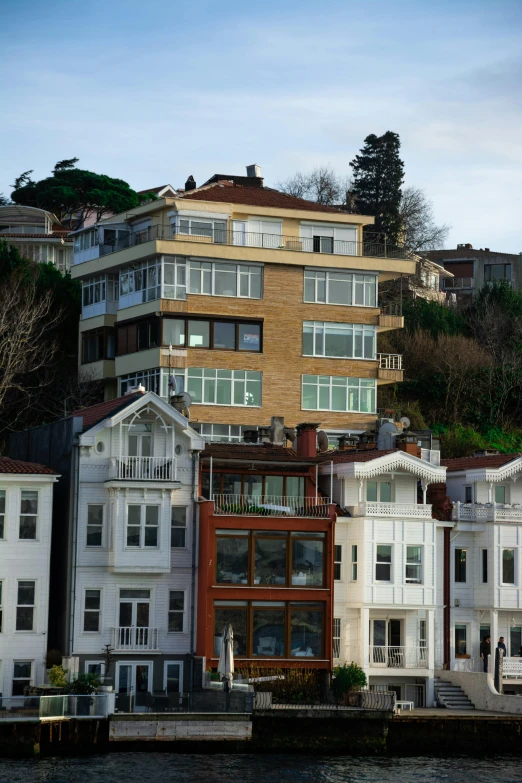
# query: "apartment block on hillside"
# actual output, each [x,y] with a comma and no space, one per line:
[258,303]
[37,234]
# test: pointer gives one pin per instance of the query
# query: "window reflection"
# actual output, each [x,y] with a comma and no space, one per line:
[270,561]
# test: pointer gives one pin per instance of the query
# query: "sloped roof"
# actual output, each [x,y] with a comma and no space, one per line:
[16,466]
[102,410]
[267,452]
[365,455]
[482,461]
[227,192]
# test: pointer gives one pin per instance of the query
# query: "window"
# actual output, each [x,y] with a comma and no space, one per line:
[28,514]
[508,566]
[340,288]
[460,565]
[338,556]
[354,562]
[174,277]
[460,639]
[94,290]
[378,491]
[94,525]
[468,494]
[1,608]
[85,240]
[221,433]
[98,344]
[414,564]
[383,563]
[484,566]
[224,387]
[494,272]
[141,283]
[22,676]
[25,606]
[337,637]
[152,380]
[331,393]
[351,341]
[212,334]
[2,512]
[500,495]
[91,611]
[173,681]
[263,488]
[198,334]
[178,527]
[176,611]
[95,667]
[215,230]
[142,526]
[226,279]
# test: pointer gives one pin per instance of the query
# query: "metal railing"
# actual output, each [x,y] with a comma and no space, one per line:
[133,639]
[369,247]
[390,361]
[458,282]
[146,468]
[371,509]
[392,657]
[486,512]
[392,308]
[271,506]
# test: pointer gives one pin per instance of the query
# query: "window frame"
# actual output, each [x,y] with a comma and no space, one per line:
[505,583]
[371,392]
[488,269]
[1,605]
[462,566]
[98,662]
[236,322]
[22,679]
[354,563]
[242,270]
[419,566]
[338,561]
[336,275]
[465,627]
[220,477]
[181,674]
[355,329]
[179,527]
[103,337]
[3,514]
[212,381]
[484,566]
[101,526]
[177,612]
[466,493]
[25,514]
[32,606]
[383,563]
[143,526]
[90,611]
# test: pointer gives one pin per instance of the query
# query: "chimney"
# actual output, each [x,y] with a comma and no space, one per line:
[254,170]
[277,431]
[190,184]
[486,249]
[348,442]
[306,440]
[264,434]
[407,442]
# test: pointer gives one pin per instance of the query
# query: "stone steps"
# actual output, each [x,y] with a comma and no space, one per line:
[451,696]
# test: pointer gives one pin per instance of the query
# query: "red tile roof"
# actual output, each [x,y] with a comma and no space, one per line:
[365,455]
[96,413]
[228,193]
[267,452]
[485,461]
[54,235]
[16,466]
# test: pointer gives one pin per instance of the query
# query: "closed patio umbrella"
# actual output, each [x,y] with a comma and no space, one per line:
[226,658]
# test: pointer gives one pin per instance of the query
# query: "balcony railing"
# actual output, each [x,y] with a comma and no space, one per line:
[390,361]
[371,509]
[271,506]
[399,657]
[133,639]
[370,246]
[458,282]
[145,468]
[486,512]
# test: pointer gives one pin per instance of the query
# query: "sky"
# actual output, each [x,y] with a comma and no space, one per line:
[151,92]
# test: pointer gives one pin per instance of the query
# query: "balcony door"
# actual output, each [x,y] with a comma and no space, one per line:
[386,643]
[134,619]
[140,440]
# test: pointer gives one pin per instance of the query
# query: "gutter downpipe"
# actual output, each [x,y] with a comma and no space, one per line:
[72,592]
[193,569]
[331,481]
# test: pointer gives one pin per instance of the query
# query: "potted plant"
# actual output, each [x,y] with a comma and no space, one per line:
[57,676]
[83,686]
[347,681]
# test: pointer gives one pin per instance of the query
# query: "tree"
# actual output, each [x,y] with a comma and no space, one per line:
[378,174]
[418,230]
[74,195]
[321,185]
[3,200]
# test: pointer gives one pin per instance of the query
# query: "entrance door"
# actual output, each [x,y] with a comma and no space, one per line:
[515,640]
[133,680]
[134,619]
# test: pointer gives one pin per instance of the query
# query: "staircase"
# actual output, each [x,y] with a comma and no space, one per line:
[451,696]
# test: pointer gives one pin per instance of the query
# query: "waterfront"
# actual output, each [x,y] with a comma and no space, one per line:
[188,768]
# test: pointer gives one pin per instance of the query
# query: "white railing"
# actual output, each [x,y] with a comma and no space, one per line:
[370,509]
[390,361]
[146,468]
[271,506]
[487,512]
[391,657]
[468,665]
[432,456]
[133,639]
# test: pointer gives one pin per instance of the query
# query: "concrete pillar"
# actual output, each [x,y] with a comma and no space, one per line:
[493,621]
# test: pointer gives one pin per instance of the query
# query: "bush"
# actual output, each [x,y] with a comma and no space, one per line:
[58,676]
[83,684]
[346,678]
[289,686]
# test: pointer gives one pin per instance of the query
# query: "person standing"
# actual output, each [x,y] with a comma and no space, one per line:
[485,651]
[502,646]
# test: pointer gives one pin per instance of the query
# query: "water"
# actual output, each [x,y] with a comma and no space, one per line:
[181,768]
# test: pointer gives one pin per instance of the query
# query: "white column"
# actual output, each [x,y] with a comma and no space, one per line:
[490,491]
[430,683]
[493,615]
[424,485]
[365,637]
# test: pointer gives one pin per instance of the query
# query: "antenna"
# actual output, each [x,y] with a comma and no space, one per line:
[322,441]
[405,422]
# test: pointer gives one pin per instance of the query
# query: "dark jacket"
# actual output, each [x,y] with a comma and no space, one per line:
[485,649]
[502,646]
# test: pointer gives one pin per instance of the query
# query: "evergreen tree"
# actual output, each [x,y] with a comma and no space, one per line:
[378,174]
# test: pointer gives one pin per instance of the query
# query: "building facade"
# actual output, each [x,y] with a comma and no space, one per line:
[26,502]
[471,268]
[255,301]
[37,234]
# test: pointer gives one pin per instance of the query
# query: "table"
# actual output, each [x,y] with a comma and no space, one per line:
[404,705]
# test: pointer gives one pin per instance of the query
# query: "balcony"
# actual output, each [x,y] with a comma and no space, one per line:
[371,509]
[132,639]
[390,368]
[369,247]
[451,283]
[143,468]
[398,657]
[390,317]
[271,506]
[487,512]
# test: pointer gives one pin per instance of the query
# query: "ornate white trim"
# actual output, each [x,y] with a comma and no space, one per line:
[398,460]
[509,470]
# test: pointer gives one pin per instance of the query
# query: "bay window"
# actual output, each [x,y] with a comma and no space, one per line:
[142,526]
[340,288]
[337,340]
[224,387]
[332,393]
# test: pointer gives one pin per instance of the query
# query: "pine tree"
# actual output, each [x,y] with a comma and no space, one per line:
[378,174]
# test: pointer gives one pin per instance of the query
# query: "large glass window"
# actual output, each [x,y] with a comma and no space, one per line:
[232,548]
[383,563]
[264,488]
[414,564]
[270,559]
[28,514]
[306,631]
[98,344]
[307,561]
[268,631]
[508,566]
[218,335]
[221,433]
[224,387]
[340,288]
[331,393]
[140,283]
[174,277]
[25,606]
[142,526]
[460,565]
[493,272]
[226,279]
[198,334]
[378,491]
[336,340]
[235,613]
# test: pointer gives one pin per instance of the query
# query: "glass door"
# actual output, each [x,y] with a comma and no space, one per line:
[140,440]
[515,640]
[133,682]
[385,640]
[134,618]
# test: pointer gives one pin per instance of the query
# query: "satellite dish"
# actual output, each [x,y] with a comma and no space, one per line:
[322,441]
[405,422]
[187,399]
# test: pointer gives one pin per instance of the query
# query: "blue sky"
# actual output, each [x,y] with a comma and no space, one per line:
[154,91]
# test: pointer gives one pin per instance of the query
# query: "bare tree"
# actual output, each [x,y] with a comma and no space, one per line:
[321,185]
[418,227]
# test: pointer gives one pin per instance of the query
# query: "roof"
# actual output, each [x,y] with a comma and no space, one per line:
[55,235]
[484,461]
[227,192]
[365,455]
[16,466]
[461,253]
[158,191]
[266,452]
[96,413]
